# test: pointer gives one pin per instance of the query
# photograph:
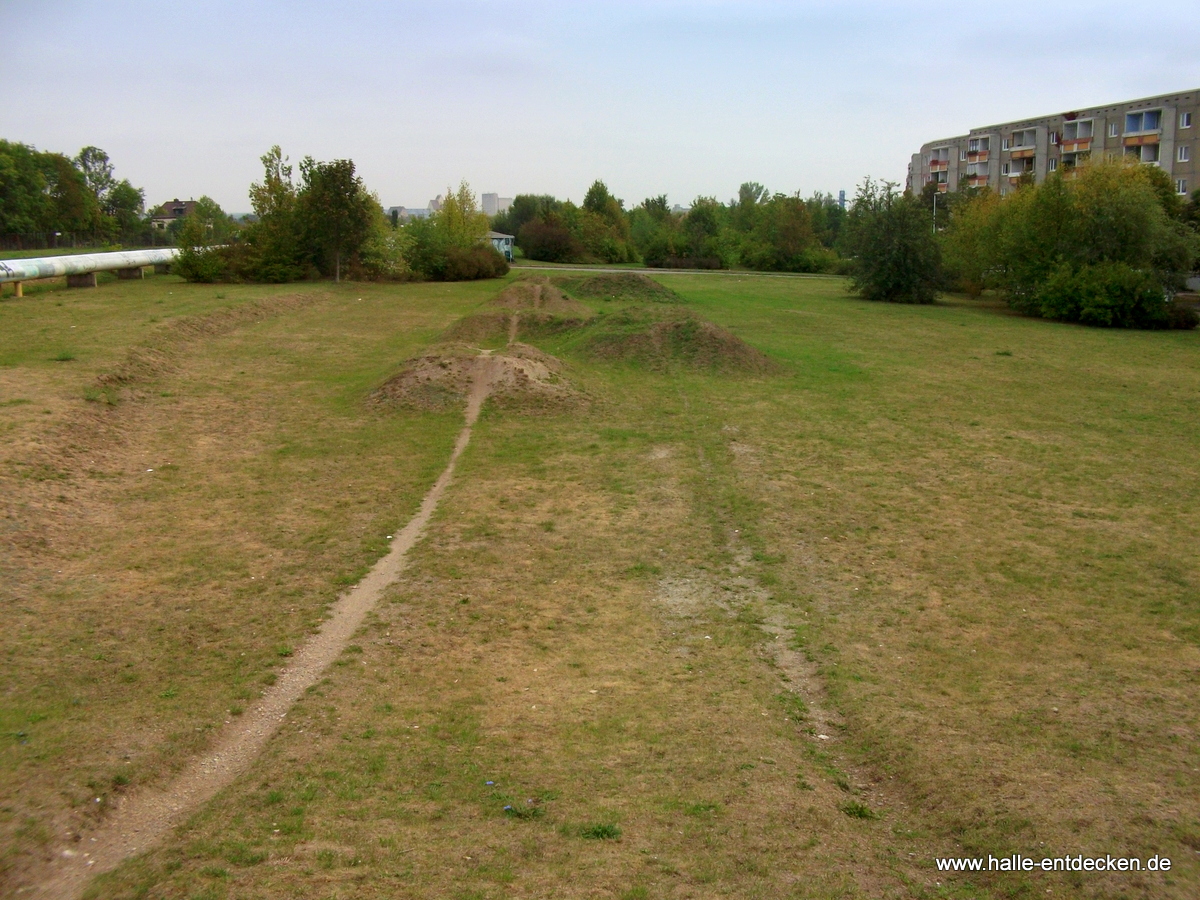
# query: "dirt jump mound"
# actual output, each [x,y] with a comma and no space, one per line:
[520,377]
[628,286]
[528,307]
[662,341]
[538,293]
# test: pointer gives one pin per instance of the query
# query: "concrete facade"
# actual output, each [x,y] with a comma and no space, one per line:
[1162,131]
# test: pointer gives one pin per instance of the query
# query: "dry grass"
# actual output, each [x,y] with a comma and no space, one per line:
[162,552]
[952,541]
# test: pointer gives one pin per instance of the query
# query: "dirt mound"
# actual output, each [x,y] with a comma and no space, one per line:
[478,329]
[659,342]
[529,307]
[537,293]
[619,286]
[521,377]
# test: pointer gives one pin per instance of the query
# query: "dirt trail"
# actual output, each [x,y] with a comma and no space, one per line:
[143,818]
[515,319]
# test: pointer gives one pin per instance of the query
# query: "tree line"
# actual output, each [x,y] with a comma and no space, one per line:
[46,192]
[1108,243]
[757,230]
[326,223]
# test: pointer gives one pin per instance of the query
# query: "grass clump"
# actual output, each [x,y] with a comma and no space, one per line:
[856,810]
[600,832]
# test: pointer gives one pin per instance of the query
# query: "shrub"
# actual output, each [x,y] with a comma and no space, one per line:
[202,264]
[385,254]
[1104,248]
[894,254]
[548,240]
[1107,294]
[473,263]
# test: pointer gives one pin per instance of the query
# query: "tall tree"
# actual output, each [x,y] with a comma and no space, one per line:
[335,209]
[24,205]
[97,170]
[75,206]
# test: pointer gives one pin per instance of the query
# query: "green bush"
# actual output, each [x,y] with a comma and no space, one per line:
[1107,294]
[895,256]
[473,263]
[1106,247]
[202,264]
[549,240]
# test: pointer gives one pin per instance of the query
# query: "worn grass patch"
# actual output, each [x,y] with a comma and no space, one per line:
[794,635]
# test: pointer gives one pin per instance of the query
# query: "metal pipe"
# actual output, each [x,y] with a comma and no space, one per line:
[81,264]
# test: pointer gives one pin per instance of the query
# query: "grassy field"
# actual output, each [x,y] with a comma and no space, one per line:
[927,590]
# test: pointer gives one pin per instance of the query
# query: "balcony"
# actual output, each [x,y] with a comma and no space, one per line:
[939,165]
[977,181]
[1077,146]
[1022,153]
[977,156]
[943,188]
[1141,140]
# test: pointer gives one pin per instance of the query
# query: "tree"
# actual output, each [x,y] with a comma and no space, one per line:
[24,204]
[451,244]
[525,208]
[894,255]
[273,240]
[1106,247]
[97,171]
[335,209]
[124,206]
[969,242]
[600,202]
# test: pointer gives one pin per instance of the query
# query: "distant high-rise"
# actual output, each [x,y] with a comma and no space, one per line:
[1156,130]
[494,204]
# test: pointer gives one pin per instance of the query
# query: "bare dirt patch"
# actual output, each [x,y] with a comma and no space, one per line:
[522,377]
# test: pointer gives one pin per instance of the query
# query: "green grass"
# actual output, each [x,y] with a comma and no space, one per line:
[951,541]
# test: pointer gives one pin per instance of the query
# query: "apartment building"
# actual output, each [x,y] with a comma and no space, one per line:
[1160,131]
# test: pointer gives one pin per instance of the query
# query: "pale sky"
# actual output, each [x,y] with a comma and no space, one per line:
[658,96]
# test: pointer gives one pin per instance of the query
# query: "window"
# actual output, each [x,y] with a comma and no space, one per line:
[962,154]
[1023,139]
[1147,153]
[1181,185]
[1079,130]
[1185,120]
[1054,137]
[1112,129]
[1184,154]
[1004,144]
[1053,165]
[979,145]
[1147,120]
[1004,169]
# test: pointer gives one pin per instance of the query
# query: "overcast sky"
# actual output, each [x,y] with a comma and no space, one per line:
[655,96]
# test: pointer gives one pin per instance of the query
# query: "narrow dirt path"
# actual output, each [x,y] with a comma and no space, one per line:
[143,818]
